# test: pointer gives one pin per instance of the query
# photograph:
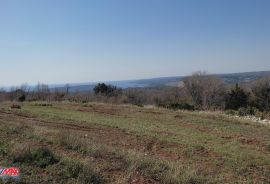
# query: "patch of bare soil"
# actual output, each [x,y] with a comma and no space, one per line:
[112,110]
[104,110]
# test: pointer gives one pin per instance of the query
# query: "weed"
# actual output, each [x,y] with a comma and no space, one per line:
[71,141]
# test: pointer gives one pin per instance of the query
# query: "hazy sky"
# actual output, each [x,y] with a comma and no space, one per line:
[66,41]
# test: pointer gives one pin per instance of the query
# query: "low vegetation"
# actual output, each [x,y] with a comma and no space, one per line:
[40,157]
[101,143]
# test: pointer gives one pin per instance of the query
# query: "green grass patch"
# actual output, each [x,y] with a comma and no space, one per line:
[36,156]
[73,169]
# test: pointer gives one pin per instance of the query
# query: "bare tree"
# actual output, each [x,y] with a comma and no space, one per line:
[261,92]
[207,91]
[58,95]
[42,91]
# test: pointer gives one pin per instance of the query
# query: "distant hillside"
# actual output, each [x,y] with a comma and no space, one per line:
[243,77]
[231,78]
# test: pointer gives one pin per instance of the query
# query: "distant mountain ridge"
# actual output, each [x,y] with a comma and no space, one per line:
[230,78]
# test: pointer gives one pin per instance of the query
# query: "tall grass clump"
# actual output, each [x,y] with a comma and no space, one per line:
[79,171]
[36,156]
[160,170]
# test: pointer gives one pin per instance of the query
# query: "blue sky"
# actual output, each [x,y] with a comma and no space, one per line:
[67,41]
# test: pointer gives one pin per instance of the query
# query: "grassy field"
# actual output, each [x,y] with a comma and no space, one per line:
[103,143]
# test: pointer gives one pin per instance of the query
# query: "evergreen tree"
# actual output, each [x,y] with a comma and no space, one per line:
[237,98]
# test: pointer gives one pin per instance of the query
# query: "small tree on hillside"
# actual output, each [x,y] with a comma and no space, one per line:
[107,90]
[100,88]
[237,98]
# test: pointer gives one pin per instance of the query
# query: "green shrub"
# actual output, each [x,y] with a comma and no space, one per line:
[231,112]
[89,175]
[83,173]
[247,111]
[71,168]
[182,106]
[41,157]
[43,104]
[107,90]
[86,105]
[237,98]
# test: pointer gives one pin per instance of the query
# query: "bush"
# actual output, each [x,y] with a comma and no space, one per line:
[135,97]
[72,168]
[237,98]
[89,175]
[175,106]
[107,90]
[87,105]
[262,115]
[41,157]
[44,104]
[15,106]
[247,111]
[22,98]
[231,112]
[183,106]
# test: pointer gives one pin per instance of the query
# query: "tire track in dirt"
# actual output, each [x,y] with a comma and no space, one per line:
[127,141]
[115,111]
[113,137]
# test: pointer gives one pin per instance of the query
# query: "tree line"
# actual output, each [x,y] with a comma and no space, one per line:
[200,91]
